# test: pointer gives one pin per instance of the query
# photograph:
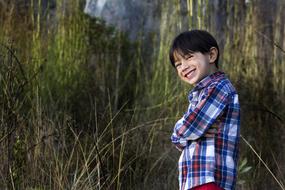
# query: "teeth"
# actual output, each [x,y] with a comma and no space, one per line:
[188,74]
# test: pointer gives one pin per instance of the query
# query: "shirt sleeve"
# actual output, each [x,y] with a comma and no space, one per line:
[197,121]
[179,142]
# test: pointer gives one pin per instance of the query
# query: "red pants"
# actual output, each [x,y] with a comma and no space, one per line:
[207,186]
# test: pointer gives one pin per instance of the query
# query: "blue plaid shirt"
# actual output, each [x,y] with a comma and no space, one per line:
[208,134]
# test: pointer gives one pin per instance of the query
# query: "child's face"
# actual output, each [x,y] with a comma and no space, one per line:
[193,67]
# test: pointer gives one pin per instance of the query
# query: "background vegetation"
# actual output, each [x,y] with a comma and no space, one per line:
[82,107]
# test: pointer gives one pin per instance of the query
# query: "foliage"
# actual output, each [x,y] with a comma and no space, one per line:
[82,107]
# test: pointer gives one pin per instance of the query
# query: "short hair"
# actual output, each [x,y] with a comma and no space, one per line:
[192,41]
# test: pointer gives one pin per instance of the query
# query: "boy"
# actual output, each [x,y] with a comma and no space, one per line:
[208,133]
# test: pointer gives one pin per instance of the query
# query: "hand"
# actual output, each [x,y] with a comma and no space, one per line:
[212,131]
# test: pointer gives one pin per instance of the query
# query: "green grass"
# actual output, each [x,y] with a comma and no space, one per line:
[82,107]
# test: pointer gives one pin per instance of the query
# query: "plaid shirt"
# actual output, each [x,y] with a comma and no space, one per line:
[208,134]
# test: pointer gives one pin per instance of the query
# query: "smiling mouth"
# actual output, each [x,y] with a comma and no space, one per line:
[188,75]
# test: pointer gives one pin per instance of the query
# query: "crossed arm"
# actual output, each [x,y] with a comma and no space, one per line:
[198,122]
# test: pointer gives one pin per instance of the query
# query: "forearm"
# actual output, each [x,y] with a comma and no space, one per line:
[199,121]
[192,134]
[179,142]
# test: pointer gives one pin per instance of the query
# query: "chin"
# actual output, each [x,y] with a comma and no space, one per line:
[189,82]
[192,81]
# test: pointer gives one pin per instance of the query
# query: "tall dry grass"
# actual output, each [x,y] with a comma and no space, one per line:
[84,108]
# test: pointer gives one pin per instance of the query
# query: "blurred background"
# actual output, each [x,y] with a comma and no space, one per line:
[89,99]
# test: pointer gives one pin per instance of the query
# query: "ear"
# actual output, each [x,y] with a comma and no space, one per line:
[213,54]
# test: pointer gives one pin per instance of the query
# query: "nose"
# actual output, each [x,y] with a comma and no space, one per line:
[184,65]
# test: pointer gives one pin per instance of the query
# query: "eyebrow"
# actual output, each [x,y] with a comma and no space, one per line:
[188,54]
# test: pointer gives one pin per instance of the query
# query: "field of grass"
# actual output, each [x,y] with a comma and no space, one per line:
[82,107]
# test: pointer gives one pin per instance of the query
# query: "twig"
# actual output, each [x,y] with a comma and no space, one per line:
[254,151]
[264,108]
[10,50]
[272,41]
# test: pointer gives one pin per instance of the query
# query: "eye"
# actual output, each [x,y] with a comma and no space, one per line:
[177,65]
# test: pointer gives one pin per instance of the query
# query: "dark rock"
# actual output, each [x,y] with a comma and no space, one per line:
[135,17]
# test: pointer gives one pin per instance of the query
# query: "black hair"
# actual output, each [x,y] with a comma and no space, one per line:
[193,41]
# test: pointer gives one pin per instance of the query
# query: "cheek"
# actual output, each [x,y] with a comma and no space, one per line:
[180,75]
[202,67]
[179,72]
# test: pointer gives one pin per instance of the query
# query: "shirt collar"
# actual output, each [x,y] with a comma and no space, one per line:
[208,79]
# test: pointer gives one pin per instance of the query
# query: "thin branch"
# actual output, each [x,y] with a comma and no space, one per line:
[10,50]
[272,41]
[264,108]
[254,151]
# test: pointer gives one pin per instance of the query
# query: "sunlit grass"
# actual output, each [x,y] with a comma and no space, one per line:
[84,110]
